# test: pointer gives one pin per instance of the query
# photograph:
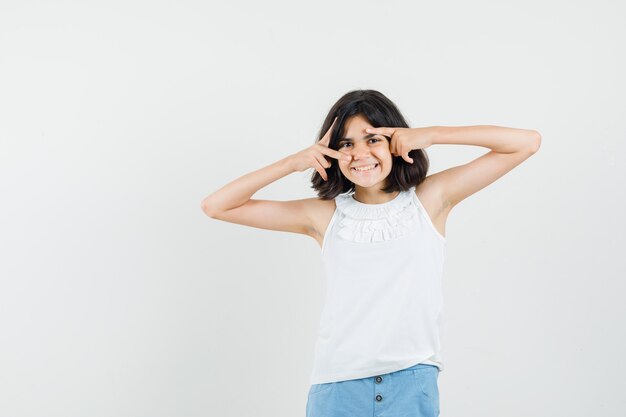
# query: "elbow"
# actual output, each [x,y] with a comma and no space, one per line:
[206,209]
[536,141]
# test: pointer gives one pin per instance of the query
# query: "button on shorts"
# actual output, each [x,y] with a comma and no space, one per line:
[410,392]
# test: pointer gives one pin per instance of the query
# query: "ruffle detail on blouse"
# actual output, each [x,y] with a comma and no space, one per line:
[376,222]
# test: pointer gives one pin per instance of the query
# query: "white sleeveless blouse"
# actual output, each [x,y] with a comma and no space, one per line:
[383,307]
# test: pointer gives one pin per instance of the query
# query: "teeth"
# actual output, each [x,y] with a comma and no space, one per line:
[367,168]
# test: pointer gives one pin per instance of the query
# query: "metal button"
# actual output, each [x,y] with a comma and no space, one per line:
[379,398]
[379,379]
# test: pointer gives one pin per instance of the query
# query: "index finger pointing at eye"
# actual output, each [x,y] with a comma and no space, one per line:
[336,154]
[343,156]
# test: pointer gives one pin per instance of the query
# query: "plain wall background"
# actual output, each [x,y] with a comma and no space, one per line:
[119,297]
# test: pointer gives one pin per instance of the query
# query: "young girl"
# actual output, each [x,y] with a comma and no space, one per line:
[380,223]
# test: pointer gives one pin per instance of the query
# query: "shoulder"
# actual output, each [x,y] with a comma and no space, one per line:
[430,188]
[430,192]
[320,212]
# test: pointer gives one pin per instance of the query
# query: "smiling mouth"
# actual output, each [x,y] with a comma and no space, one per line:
[372,167]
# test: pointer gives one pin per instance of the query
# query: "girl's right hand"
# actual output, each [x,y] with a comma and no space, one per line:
[313,157]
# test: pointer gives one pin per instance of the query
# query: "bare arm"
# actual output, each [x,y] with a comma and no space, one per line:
[232,202]
[239,191]
[509,148]
[497,138]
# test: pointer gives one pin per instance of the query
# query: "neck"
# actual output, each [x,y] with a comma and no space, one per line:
[373,196]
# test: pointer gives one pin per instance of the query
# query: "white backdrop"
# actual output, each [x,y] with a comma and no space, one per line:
[119,297]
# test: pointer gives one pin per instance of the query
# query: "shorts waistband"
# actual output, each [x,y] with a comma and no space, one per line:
[417,366]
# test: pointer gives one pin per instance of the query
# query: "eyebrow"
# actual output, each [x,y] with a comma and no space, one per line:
[368,136]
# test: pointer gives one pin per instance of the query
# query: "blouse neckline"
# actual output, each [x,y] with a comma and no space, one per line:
[361,222]
[357,202]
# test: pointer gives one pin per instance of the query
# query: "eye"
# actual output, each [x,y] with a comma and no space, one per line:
[348,143]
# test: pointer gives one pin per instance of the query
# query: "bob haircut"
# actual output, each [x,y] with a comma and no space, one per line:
[380,112]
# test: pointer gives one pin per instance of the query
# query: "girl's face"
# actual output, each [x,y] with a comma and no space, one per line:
[366,150]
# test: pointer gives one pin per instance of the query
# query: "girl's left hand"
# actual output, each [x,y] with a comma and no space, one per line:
[405,139]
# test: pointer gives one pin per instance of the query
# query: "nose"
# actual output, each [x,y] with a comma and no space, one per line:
[360,151]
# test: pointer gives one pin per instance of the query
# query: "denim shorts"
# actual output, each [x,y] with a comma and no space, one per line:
[410,392]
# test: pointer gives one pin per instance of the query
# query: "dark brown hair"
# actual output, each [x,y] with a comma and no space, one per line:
[380,112]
